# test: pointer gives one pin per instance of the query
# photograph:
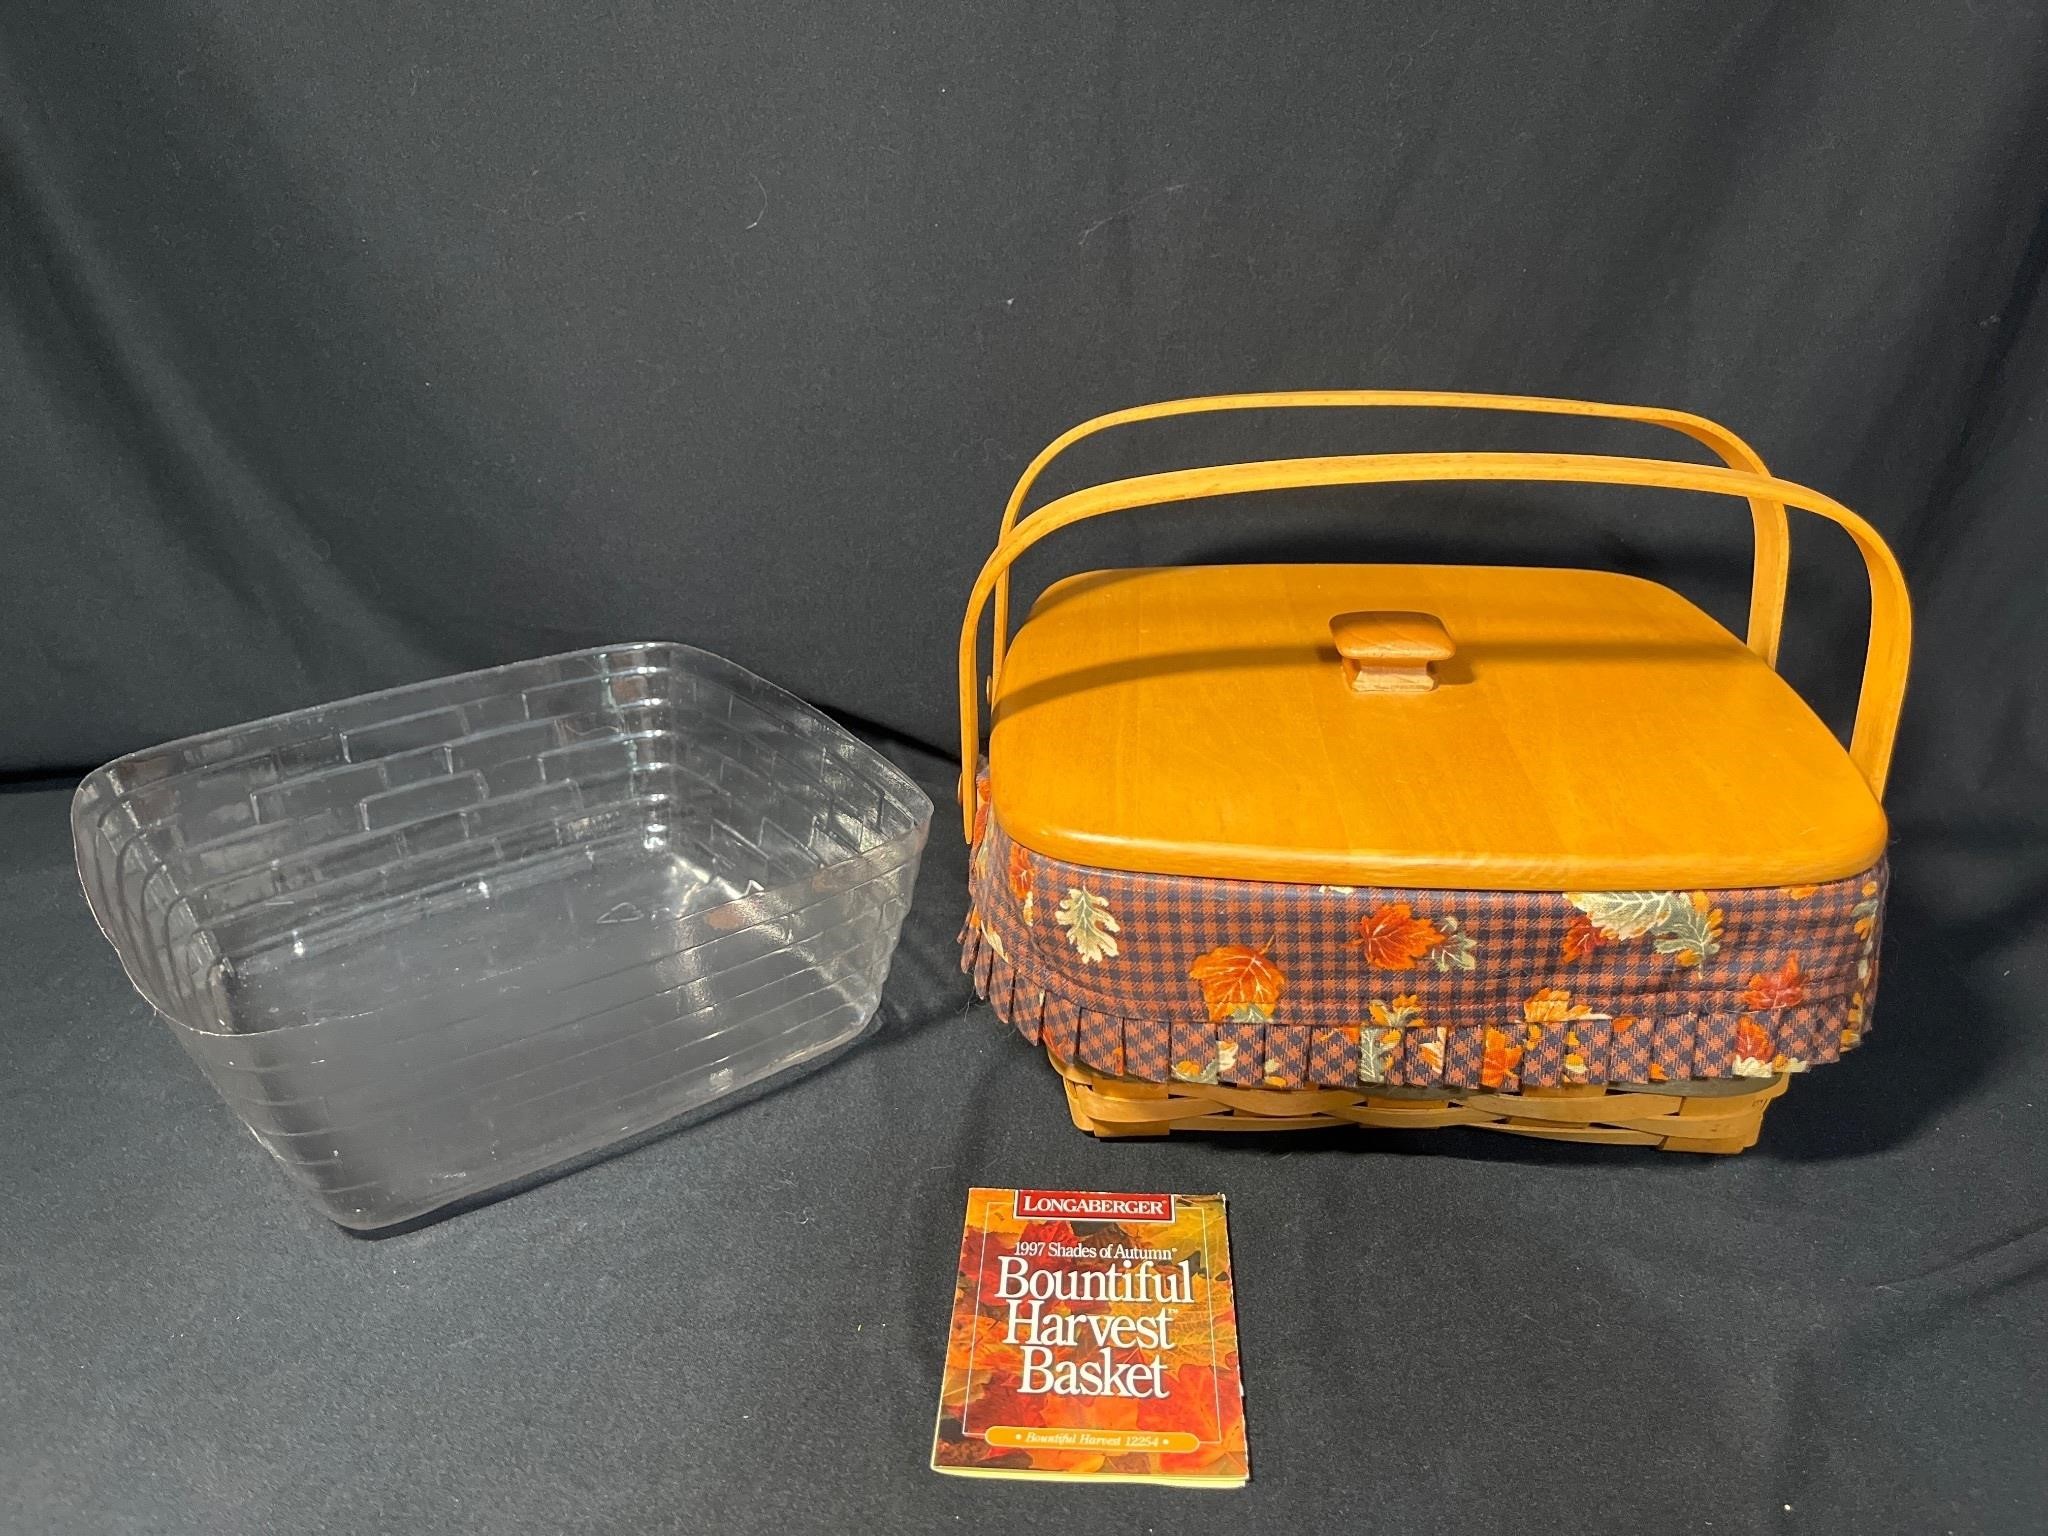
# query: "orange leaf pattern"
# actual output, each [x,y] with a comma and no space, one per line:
[1503,1056]
[1581,938]
[1783,988]
[1163,978]
[1430,1049]
[1239,983]
[1752,1049]
[980,810]
[1393,938]
[1020,881]
[1553,1005]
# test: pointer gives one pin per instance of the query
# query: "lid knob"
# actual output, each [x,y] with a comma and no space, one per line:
[1390,652]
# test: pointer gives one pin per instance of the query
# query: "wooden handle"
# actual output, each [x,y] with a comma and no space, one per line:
[1390,652]
[1891,622]
[1773,541]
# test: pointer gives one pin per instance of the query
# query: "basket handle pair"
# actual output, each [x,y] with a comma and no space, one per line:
[1885,656]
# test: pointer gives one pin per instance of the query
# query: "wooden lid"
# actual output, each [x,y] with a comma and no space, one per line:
[1585,731]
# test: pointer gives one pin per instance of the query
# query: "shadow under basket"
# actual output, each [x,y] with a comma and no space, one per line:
[1723,1116]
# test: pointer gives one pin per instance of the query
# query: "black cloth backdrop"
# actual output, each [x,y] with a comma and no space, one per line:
[342,345]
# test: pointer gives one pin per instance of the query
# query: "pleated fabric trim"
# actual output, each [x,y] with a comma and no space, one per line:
[1252,1052]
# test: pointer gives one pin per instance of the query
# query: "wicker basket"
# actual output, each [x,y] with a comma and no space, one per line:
[1402,897]
[1679,1117]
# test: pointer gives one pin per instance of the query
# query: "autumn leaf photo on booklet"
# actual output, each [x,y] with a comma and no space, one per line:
[1094,1336]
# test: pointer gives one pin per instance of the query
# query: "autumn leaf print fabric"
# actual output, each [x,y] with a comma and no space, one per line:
[1255,983]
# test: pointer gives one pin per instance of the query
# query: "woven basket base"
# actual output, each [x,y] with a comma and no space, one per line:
[1677,1117]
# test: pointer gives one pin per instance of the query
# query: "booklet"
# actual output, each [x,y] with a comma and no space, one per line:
[1094,1339]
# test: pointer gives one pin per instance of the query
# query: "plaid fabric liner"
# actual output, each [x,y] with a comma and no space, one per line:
[1248,982]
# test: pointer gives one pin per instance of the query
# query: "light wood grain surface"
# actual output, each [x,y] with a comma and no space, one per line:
[1591,731]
